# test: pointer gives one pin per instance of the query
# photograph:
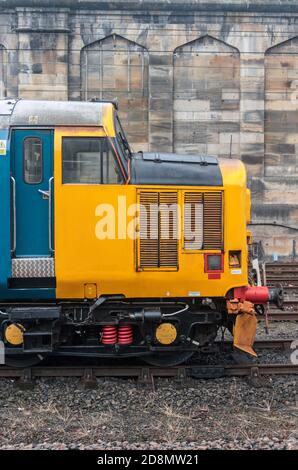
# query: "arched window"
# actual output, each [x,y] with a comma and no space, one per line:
[207,98]
[281,123]
[115,67]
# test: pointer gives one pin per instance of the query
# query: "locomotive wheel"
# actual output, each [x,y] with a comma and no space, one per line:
[23,362]
[203,335]
[168,360]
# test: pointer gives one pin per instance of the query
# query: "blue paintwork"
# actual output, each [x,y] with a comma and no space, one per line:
[32,215]
[5,219]
[5,263]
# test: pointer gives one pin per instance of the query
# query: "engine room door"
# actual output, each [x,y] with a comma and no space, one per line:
[32,193]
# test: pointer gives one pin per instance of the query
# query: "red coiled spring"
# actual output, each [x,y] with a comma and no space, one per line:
[125,335]
[109,334]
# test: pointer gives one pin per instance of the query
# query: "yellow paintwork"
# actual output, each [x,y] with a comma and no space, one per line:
[90,291]
[110,265]
[245,332]
[14,334]
[166,333]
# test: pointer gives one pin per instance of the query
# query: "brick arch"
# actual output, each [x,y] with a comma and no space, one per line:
[207,97]
[115,67]
[281,108]
[3,71]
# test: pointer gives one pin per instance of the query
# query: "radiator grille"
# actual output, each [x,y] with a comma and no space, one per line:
[158,242]
[193,221]
[203,224]
[149,256]
[213,223]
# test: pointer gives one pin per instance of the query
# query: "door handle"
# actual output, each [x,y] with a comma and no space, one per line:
[14,246]
[50,196]
[45,194]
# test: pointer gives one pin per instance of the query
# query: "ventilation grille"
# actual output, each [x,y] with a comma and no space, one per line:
[158,243]
[149,252]
[203,224]
[193,221]
[213,226]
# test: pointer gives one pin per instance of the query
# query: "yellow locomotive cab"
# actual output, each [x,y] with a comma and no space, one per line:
[135,253]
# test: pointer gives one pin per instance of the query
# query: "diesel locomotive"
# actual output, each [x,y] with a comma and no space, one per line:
[109,253]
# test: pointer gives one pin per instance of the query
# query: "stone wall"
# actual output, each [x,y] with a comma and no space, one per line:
[191,76]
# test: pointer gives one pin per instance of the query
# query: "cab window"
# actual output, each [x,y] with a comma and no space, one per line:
[89,160]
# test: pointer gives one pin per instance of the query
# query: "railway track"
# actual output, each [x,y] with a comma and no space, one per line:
[145,375]
[89,373]
[281,316]
[290,267]
[283,344]
[286,275]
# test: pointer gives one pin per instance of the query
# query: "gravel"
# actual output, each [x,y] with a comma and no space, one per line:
[226,413]
[222,413]
[278,330]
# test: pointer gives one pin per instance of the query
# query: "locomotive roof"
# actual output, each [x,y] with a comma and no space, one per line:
[51,113]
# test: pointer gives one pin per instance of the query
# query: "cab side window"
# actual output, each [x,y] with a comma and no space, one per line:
[89,160]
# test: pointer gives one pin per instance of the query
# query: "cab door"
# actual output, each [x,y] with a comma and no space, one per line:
[32,182]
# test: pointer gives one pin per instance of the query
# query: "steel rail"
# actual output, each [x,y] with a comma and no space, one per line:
[276,316]
[89,373]
[278,343]
[285,274]
[146,374]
